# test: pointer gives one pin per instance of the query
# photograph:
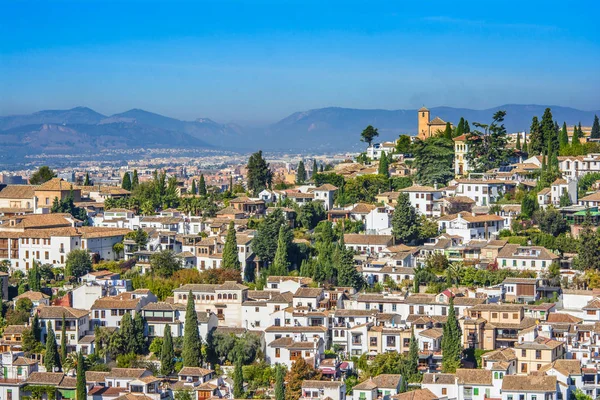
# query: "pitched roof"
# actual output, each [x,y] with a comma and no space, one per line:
[132,373]
[194,371]
[437,121]
[387,381]
[419,394]
[18,192]
[419,188]
[116,302]
[439,379]
[355,238]
[529,383]
[54,312]
[33,296]
[474,376]
[55,184]
[308,292]
[321,384]
[326,187]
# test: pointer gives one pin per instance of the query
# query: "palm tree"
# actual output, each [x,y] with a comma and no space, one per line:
[70,363]
[454,272]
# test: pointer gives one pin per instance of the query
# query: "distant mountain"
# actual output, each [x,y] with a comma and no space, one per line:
[340,127]
[77,115]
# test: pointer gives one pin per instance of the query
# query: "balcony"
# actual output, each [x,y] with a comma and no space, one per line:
[472,337]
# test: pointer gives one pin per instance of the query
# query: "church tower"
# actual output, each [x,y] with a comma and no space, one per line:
[423,132]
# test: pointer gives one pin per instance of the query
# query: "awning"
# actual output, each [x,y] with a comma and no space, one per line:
[327,371]
[344,365]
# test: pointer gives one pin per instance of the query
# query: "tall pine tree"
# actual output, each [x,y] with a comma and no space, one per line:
[549,134]
[595,128]
[202,186]
[405,222]
[451,341]
[281,263]
[86,181]
[315,168]
[518,144]
[126,182]
[51,358]
[63,340]
[448,131]
[301,173]
[194,188]
[238,379]
[279,383]
[575,141]
[536,142]
[81,387]
[460,128]
[384,166]
[192,345]
[563,138]
[167,354]
[230,250]
[135,181]
[412,362]
[348,275]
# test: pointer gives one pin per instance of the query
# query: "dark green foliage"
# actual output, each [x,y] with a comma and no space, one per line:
[577,134]
[400,182]
[301,173]
[403,144]
[460,128]
[529,205]
[551,221]
[51,358]
[384,166]
[467,128]
[259,174]
[565,200]
[412,362]
[238,379]
[36,330]
[368,134]
[194,188]
[448,131]
[487,146]
[315,167]
[126,182]
[167,354]
[67,206]
[63,340]
[347,274]
[279,384]
[589,246]
[140,238]
[586,181]
[451,341]
[81,388]
[518,144]
[281,263]
[78,263]
[43,174]
[202,186]
[595,129]
[264,243]
[86,181]
[311,214]
[330,177]
[230,347]
[549,132]
[363,188]
[536,142]
[405,227]
[230,250]
[135,181]
[563,138]
[191,337]
[164,263]
[34,278]
[434,160]
[139,325]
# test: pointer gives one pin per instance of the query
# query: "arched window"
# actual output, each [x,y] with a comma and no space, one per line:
[219,296]
[212,296]
[235,296]
[229,296]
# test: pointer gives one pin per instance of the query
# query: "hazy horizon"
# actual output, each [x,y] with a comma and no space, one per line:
[258,62]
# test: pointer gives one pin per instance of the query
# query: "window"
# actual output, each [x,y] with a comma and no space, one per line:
[504,315]
[523,353]
[524,368]
[9,394]
[515,316]
[476,391]
[277,352]
[444,391]
[538,354]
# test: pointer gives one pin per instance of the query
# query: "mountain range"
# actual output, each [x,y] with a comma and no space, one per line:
[82,129]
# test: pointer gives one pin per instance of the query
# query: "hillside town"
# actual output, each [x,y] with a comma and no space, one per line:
[462,263]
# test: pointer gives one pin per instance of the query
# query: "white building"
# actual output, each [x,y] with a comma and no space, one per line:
[375,151]
[483,191]
[470,227]
[422,198]
[561,186]
[576,166]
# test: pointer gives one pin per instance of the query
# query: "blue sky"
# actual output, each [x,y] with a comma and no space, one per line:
[262,60]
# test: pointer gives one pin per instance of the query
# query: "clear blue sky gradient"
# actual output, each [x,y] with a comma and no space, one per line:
[262,60]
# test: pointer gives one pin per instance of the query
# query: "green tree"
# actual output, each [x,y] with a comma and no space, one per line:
[536,142]
[81,387]
[315,168]
[405,226]
[126,182]
[549,133]
[139,325]
[63,340]
[301,173]
[281,263]
[368,134]
[264,243]
[565,200]
[167,354]
[135,181]
[518,144]
[412,362]
[467,128]
[36,330]
[230,250]
[202,186]
[529,205]
[448,131]
[191,352]
[299,373]
[434,160]
[575,140]
[259,175]
[384,166]
[460,128]
[51,357]
[589,245]
[238,379]
[311,214]
[279,383]
[563,138]
[86,181]
[348,275]
[487,146]
[451,341]
[42,175]
[34,278]
[194,188]
[164,263]
[403,144]
[78,263]
[595,129]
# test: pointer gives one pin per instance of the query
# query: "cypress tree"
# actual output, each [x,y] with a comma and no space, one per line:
[36,331]
[81,387]
[238,379]
[135,181]
[202,186]
[412,366]
[138,332]
[347,273]
[167,354]
[34,278]
[315,168]
[460,128]
[230,250]
[63,340]
[86,181]
[563,138]
[525,144]
[322,168]
[448,131]
[549,134]
[191,337]
[279,384]
[194,190]
[126,182]
[575,139]
[518,145]
[535,137]
[127,333]
[580,132]
[51,358]
[281,264]
[384,166]
[301,173]
[451,341]
[595,128]
[467,128]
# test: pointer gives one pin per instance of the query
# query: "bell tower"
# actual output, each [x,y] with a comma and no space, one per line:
[423,116]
